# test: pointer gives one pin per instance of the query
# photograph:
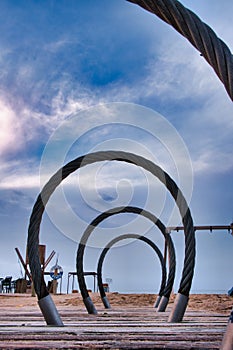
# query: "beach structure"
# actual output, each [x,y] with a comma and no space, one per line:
[56,273]
[74,275]
[109,246]
[6,284]
[22,284]
[218,55]
[162,299]
[44,300]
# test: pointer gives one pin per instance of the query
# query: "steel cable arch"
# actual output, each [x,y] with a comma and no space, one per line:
[83,243]
[199,34]
[114,241]
[66,170]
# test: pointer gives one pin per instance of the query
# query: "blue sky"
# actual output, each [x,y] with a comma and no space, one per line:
[61,58]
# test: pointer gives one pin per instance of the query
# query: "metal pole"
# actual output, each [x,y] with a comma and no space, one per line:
[229,228]
[24,264]
[165,253]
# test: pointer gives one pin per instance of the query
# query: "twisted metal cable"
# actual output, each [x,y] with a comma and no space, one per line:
[56,179]
[120,238]
[199,34]
[172,266]
[33,249]
[119,210]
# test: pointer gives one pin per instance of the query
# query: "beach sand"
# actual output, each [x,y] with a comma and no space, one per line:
[219,303]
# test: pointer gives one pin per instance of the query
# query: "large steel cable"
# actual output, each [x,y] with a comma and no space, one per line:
[200,35]
[109,246]
[45,302]
[161,304]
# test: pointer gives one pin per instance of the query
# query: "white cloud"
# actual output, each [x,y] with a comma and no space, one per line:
[20,181]
[60,44]
[20,125]
[178,72]
[11,133]
[208,133]
[19,174]
[214,161]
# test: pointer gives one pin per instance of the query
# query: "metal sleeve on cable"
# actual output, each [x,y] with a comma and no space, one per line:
[49,311]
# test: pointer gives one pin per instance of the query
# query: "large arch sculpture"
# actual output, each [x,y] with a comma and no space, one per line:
[44,299]
[162,300]
[109,246]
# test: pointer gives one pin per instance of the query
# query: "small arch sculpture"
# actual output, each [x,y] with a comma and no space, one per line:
[162,301]
[109,246]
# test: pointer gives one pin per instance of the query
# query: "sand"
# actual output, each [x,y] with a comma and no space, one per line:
[219,303]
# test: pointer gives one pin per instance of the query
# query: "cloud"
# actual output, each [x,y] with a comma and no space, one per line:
[21,181]
[11,134]
[13,200]
[172,71]
[214,161]
[208,133]
[20,173]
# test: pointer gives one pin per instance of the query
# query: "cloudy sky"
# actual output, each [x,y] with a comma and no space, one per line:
[79,76]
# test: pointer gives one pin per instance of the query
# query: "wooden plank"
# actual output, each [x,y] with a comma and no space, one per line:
[117,328]
[115,337]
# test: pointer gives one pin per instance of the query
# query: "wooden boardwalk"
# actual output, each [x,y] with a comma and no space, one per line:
[118,328]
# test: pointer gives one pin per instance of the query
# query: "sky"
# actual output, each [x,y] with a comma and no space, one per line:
[82,76]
